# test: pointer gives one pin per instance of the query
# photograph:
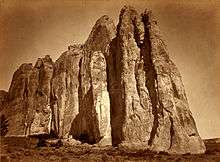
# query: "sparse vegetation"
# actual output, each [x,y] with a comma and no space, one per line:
[91,153]
[3,125]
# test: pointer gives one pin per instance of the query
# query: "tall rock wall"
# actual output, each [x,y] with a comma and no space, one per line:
[28,104]
[148,101]
[131,109]
[65,88]
[93,121]
[119,87]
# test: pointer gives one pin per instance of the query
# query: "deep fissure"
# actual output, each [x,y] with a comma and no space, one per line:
[151,77]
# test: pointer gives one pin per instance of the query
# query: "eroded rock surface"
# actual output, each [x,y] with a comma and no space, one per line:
[28,104]
[148,101]
[93,121]
[120,87]
[65,88]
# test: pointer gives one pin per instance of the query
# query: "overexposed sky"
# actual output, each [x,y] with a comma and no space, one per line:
[32,29]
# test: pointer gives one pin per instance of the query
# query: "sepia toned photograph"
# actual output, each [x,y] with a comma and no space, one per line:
[109,80]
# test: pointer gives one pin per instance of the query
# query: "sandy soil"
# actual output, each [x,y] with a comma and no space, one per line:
[90,153]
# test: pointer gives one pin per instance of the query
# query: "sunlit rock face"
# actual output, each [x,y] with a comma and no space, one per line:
[42,112]
[119,87]
[65,88]
[28,104]
[148,102]
[92,124]
[131,109]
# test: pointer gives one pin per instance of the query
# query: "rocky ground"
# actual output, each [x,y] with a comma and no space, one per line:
[85,152]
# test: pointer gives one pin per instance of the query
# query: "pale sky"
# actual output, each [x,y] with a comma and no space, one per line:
[32,29]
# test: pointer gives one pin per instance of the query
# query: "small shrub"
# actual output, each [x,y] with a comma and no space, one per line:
[3,125]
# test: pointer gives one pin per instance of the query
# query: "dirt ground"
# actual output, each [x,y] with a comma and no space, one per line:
[85,152]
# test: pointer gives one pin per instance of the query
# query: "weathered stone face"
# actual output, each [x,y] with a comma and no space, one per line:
[65,88]
[120,85]
[28,107]
[92,124]
[41,99]
[131,110]
[17,109]
[148,101]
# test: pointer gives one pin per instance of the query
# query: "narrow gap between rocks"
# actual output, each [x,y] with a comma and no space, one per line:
[151,77]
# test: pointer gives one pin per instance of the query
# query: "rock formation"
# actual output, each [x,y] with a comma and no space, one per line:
[147,97]
[93,121]
[28,104]
[120,87]
[65,87]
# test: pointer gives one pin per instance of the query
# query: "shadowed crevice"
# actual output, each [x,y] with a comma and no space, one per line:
[85,126]
[151,77]
[54,127]
[175,92]
[172,132]
[117,111]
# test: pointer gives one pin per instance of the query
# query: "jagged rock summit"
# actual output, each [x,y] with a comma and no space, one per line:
[118,88]
[147,97]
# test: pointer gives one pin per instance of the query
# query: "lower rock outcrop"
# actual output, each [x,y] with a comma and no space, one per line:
[28,104]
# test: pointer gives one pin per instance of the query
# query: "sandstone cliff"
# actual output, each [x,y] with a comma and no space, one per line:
[93,121]
[120,87]
[28,104]
[65,87]
[147,97]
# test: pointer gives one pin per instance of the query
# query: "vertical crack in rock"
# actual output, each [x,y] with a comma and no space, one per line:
[65,85]
[25,109]
[172,133]
[151,77]
[54,122]
[167,76]
[85,125]
[92,124]
[175,92]
[42,114]
[139,67]
[80,85]
[117,114]
[130,115]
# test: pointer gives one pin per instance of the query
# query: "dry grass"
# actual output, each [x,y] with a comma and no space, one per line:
[85,152]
